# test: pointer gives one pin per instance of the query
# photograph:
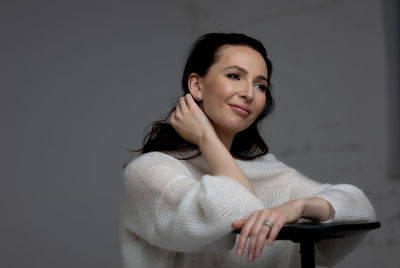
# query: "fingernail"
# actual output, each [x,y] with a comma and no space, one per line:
[258,252]
[250,257]
[239,252]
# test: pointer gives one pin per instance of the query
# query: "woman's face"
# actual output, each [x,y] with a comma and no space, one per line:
[233,90]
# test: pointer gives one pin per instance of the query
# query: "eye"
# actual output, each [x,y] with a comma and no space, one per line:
[262,87]
[233,76]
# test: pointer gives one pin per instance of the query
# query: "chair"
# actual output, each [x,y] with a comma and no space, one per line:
[308,233]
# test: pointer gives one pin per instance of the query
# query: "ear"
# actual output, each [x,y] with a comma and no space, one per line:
[195,86]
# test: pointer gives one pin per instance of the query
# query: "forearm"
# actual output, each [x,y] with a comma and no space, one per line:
[316,209]
[158,184]
[221,162]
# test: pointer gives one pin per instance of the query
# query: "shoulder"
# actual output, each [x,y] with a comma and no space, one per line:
[151,157]
[268,161]
[153,162]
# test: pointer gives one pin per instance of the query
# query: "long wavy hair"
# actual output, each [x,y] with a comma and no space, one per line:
[247,144]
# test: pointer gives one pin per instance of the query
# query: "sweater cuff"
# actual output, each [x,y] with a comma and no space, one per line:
[349,203]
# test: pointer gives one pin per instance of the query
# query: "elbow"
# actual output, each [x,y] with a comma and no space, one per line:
[349,202]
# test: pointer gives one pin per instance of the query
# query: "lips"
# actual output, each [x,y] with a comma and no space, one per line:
[241,108]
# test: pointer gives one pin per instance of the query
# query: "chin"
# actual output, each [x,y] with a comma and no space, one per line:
[237,129]
[234,126]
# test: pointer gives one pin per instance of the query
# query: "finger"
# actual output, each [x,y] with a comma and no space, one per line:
[183,104]
[255,229]
[276,227]
[178,110]
[189,99]
[264,232]
[238,224]
[172,117]
[262,236]
[244,233]
[255,235]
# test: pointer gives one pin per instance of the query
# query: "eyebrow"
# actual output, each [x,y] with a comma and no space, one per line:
[243,70]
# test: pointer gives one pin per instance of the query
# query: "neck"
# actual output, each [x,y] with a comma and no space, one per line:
[226,138]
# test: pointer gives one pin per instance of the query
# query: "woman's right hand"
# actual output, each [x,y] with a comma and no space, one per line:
[193,125]
[190,121]
[254,230]
[256,233]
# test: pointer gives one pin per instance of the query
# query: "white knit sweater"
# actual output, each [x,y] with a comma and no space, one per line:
[173,214]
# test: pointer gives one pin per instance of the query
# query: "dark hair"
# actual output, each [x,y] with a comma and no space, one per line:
[247,144]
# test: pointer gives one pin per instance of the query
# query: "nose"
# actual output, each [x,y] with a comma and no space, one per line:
[247,93]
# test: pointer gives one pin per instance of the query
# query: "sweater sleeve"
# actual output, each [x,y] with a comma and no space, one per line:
[350,204]
[164,204]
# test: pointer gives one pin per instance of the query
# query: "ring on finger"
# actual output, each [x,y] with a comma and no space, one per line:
[267,223]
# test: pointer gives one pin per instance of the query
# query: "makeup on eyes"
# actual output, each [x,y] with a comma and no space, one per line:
[243,70]
[257,83]
[233,76]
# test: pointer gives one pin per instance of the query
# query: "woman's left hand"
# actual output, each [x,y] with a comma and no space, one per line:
[254,229]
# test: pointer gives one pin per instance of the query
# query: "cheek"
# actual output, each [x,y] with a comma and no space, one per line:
[261,100]
[226,89]
[260,104]
[220,87]
[211,107]
[216,94]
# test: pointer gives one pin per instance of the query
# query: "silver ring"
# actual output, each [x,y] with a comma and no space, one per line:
[268,223]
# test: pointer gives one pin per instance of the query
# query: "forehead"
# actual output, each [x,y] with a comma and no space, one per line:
[242,56]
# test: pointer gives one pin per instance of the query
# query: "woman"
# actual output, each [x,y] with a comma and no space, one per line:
[205,170]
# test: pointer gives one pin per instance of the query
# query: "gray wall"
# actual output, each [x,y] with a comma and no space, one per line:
[80,81]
